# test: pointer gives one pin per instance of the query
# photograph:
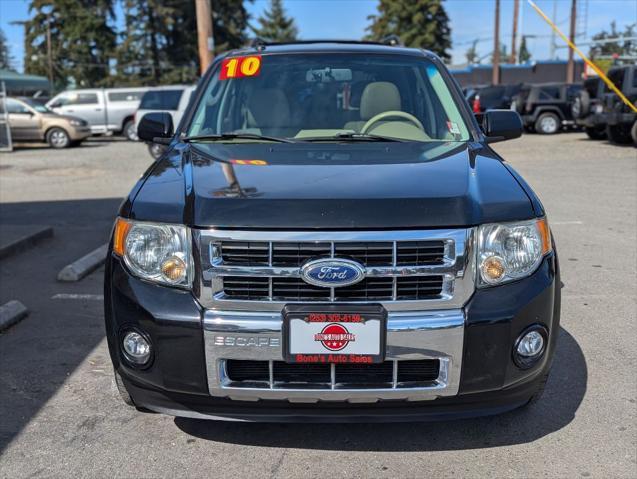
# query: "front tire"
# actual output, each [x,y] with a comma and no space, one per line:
[547,124]
[596,133]
[130,132]
[537,395]
[58,138]
[633,133]
[121,389]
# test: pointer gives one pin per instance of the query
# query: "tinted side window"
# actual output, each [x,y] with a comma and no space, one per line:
[617,77]
[86,99]
[125,96]
[161,100]
[550,93]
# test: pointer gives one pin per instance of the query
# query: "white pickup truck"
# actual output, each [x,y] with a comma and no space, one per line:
[105,109]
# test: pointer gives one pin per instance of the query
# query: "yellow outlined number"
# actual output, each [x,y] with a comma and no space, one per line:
[238,67]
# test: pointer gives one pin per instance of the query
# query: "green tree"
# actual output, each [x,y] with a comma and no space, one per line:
[418,23]
[525,54]
[159,42]
[472,53]
[82,40]
[276,26]
[5,54]
[619,47]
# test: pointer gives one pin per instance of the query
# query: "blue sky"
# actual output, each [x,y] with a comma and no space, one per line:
[347,19]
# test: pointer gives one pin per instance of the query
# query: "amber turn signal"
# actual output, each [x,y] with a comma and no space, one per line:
[122,227]
[545,235]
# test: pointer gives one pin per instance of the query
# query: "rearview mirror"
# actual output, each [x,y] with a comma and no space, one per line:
[156,128]
[500,125]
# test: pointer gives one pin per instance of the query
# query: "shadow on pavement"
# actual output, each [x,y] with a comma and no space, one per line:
[38,354]
[562,397]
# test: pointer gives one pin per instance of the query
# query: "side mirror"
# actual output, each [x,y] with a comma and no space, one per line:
[501,125]
[156,128]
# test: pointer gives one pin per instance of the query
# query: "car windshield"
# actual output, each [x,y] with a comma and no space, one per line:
[40,108]
[323,97]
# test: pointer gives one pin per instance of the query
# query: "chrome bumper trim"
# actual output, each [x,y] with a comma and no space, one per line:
[410,335]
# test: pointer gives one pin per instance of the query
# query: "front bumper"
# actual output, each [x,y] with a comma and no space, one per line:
[79,133]
[475,343]
[615,118]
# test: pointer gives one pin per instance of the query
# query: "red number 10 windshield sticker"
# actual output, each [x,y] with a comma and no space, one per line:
[239,67]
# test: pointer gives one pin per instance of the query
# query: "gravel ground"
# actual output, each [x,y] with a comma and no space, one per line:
[60,414]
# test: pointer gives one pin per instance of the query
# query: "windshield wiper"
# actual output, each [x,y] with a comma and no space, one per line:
[235,136]
[352,136]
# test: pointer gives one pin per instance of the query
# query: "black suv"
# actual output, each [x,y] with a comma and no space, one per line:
[546,108]
[587,108]
[621,120]
[303,253]
[493,97]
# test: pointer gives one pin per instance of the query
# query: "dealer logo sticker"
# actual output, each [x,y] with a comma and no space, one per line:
[334,337]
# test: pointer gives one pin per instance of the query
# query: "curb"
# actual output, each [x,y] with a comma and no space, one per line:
[25,242]
[11,313]
[85,265]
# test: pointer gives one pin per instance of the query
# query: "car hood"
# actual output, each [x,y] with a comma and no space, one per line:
[362,185]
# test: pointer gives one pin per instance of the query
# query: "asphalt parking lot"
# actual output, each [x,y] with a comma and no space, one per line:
[60,414]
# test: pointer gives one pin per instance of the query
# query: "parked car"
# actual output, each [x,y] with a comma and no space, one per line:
[546,108]
[494,97]
[293,258]
[587,108]
[105,109]
[621,120]
[172,99]
[31,121]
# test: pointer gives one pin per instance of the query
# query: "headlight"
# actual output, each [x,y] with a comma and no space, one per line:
[511,251]
[155,252]
[77,122]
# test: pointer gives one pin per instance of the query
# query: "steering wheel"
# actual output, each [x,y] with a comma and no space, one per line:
[391,114]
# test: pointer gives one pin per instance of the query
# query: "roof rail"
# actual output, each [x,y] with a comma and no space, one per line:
[393,40]
[261,43]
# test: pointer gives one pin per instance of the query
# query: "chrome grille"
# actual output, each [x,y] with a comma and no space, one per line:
[405,270]
[245,253]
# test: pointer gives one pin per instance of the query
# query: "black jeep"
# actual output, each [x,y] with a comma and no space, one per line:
[546,108]
[620,119]
[587,108]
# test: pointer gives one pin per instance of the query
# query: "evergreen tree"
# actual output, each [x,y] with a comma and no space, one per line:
[5,54]
[525,54]
[159,42]
[276,26]
[82,40]
[418,23]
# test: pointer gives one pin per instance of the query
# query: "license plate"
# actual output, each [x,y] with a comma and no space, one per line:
[334,333]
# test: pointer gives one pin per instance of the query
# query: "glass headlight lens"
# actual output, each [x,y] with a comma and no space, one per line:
[76,122]
[156,252]
[510,251]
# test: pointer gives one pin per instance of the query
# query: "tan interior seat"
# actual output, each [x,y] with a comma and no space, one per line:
[377,97]
[268,111]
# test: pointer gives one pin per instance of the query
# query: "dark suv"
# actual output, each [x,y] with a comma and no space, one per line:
[587,108]
[301,255]
[546,108]
[494,97]
[621,120]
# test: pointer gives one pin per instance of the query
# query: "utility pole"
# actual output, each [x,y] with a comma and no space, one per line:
[49,55]
[495,79]
[205,38]
[552,53]
[570,66]
[516,12]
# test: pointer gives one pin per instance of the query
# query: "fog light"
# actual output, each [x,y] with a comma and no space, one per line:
[136,348]
[530,346]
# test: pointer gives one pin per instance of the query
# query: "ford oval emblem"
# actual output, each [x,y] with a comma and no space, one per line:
[332,273]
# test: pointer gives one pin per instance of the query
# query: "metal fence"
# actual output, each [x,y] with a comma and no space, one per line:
[5,131]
